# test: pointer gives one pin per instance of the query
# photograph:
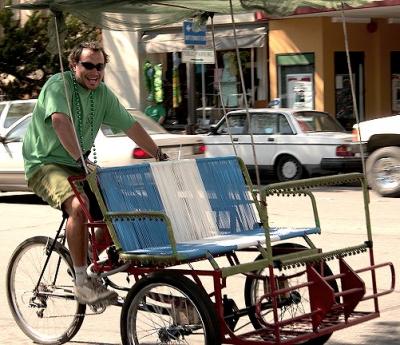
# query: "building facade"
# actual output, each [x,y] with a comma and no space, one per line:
[310,53]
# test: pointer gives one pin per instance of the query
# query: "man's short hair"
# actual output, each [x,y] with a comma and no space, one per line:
[76,52]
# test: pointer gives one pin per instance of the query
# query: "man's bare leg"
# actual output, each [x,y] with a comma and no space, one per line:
[86,290]
[77,235]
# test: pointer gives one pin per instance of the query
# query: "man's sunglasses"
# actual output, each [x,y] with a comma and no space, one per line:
[89,66]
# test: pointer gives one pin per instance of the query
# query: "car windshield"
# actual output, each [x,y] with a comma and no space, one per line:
[147,123]
[312,121]
[18,132]
[18,110]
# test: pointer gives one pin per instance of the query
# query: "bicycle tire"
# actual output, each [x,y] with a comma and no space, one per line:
[51,315]
[251,288]
[150,313]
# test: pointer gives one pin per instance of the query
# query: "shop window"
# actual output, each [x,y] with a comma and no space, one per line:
[232,94]
[206,89]
[296,80]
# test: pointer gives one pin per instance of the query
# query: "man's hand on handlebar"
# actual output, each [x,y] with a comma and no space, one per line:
[91,166]
[161,156]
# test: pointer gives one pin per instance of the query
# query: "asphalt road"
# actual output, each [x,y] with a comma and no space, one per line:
[342,222]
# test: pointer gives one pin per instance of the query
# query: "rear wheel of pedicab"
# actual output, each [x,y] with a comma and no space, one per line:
[168,308]
[48,314]
[290,305]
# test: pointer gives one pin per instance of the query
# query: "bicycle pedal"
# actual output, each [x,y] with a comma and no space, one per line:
[120,301]
[98,308]
[104,303]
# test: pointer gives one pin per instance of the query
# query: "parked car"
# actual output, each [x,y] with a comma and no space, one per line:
[380,140]
[12,111]
[287,142]
[112,149]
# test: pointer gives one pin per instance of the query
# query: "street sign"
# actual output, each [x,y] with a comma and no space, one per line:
[194,35]
[204,56]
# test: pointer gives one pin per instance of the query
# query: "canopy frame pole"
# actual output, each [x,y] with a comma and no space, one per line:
[203,95]
[67,96]
[352,87]
[220,87]
[246,106]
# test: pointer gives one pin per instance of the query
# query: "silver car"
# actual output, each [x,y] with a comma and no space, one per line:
[112,149]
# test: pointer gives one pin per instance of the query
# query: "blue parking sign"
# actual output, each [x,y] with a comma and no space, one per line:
[193,35]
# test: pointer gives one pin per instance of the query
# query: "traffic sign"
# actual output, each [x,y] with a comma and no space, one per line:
[194,35]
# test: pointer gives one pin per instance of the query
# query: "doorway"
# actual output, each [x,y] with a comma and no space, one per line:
[344,110]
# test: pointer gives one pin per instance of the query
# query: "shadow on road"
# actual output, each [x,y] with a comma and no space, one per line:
[92,343]
[385,333]
[20,199]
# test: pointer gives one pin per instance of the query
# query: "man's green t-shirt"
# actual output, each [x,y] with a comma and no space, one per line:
[41,144]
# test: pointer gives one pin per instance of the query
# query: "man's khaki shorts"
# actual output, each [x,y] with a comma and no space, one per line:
[50,182]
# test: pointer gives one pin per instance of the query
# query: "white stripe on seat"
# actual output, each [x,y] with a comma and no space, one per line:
[185,199]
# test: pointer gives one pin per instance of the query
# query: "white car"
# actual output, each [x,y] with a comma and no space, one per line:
[287,142]
[112,149]
[12,111]
[380,140]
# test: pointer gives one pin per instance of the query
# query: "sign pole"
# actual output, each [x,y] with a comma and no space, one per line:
[191,96]
[193,36]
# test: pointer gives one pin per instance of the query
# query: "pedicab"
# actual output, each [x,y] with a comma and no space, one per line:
[181,233]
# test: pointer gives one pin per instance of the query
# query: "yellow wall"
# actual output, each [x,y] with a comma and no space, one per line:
[296,36]
[324,38]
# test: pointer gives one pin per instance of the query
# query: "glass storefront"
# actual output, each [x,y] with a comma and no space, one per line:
[195,87]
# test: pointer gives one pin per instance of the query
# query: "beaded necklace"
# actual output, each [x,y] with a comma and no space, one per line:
[79,116]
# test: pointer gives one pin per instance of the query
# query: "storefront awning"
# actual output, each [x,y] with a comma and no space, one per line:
[248,36]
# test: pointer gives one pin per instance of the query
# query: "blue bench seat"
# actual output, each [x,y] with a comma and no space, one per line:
[204,207]
[221,244]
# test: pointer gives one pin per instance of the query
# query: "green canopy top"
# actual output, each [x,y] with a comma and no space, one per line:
[147,14]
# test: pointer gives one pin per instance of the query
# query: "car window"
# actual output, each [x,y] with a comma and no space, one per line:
[313,121]
[237,124]
[264,123]
[270,123]
[283,125]
[18,132]
[17,111]
[2,106]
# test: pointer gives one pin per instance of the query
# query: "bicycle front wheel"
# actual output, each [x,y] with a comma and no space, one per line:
[45,310]
[167,308]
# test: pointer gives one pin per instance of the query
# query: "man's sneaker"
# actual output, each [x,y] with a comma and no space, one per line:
[92,292]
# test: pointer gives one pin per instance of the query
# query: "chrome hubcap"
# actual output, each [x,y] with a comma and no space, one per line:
[387,173]
[289,170]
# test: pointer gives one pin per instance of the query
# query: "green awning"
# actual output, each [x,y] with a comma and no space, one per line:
[147,14]
[295,59]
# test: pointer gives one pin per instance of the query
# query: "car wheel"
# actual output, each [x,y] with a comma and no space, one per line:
[383,171]
[288,168]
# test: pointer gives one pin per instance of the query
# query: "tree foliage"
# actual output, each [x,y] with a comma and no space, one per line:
[25,63]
